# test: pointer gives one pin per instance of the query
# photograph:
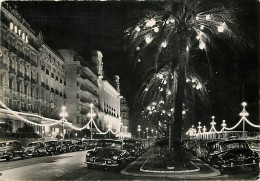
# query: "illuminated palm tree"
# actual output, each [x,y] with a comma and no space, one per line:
[173,30]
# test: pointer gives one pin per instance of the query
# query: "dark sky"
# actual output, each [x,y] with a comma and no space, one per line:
[86,26]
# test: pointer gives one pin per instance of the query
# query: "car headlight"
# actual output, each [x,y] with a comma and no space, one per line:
[115,157]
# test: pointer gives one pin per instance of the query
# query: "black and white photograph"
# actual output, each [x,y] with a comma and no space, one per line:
[129,90]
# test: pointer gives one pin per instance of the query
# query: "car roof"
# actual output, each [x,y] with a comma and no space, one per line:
[8,141]
[232,141]
[111,140]
[36,142]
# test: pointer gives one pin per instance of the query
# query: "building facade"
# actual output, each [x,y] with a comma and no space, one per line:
[32,76]
[82,88]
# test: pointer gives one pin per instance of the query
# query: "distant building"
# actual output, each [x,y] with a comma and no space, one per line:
[124,115]
[82,88]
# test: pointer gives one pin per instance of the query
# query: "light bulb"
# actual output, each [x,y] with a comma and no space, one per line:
[137,48]
[220,29]
[202,45]
[208,17]
[148,39]
[137,29]
[156,29]
[202,27]
[150,23]
[164,44]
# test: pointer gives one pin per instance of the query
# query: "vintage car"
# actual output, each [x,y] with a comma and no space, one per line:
[231,154]
[209,148]
[11,149]
[132,146]
[67,146]
[53,147]
[107,153]
[79,144]
[90,143]
[36,148]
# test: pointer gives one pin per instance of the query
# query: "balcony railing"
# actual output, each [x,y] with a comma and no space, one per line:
[86,88]
[90,78]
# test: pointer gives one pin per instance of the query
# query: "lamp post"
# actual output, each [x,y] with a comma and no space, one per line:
[91,115]
[223,126]
[199,131]
[63,116]
[139,130]
[244,114]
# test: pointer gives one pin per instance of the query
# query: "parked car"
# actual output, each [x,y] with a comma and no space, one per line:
[232,154]
[11,149]
[90,143]
[210,147]
[53,147]
[36,148]
[107,153]
[131,146]
[67,146]
[79,144]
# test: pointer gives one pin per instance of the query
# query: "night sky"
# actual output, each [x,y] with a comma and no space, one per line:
[86,26]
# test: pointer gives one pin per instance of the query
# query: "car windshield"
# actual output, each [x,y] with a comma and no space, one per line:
[109,144]
[34,144]
[128,143]
[2,144]
[234,145]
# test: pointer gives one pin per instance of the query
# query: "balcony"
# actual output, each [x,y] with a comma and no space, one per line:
[33,81]
[90,78]
[19,74]
[27,78]
[3,66]
[86,88]
[12,70]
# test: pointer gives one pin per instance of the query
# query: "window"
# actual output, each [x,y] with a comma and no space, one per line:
[61,81]
[10,83]
[57,78]
[26,39]
[11,26]
[52,75]
[65,83]
[23,36]
[19,32]
[25,89]
[47,71]
[15,29]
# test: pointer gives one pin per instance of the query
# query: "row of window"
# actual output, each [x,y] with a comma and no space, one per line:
[53,76]
[19,32]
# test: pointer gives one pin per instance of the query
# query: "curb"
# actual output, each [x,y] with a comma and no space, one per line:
[170,171]
[183,176]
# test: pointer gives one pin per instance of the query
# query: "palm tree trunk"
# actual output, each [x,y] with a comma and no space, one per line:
[177,125]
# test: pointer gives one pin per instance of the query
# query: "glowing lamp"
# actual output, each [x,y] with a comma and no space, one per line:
[149,108]
[183,112]
[187,80]
[208,17]
[172,20]
[202,45]
[199,86]
[139,60]
[63,108]
[160,76]
[150,23]
[91,105]
[244,104]
[146,89]
[169,93]
[137,48]
[148,39]
[164,44]
[156,29]
[202,27]
[220,29]
[137,29]
[197,18]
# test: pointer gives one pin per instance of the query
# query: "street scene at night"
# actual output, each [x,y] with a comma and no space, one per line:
[129,90]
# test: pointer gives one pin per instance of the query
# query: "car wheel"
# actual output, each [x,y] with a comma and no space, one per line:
[221,168]
[23,156]
[10,157]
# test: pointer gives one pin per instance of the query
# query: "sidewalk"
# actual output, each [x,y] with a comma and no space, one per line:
[136,169]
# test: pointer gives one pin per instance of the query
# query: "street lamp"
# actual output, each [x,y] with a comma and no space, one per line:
[63,116]
[139,130]
[244,114]
[91,115]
